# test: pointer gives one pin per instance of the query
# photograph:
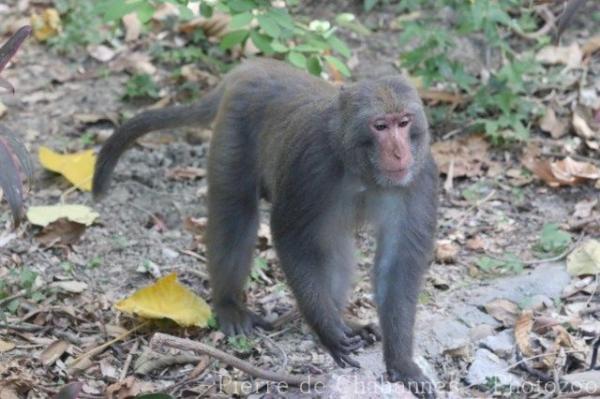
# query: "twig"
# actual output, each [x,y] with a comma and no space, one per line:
[160,339]
[14,296]
[557,257]
[101,348]
[128,360]
[550,22]
[24,327]
[273,344]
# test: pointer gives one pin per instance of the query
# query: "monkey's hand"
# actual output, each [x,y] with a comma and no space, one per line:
[235,319]
[409,374]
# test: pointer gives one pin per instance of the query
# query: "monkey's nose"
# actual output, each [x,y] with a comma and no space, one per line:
[397,154]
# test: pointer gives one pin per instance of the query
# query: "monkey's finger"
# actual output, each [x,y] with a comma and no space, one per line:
[350,361]
[262,323]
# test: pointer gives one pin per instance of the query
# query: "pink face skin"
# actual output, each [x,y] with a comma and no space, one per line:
[392,132]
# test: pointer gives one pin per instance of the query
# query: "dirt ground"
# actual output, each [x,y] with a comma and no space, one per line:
[151,225]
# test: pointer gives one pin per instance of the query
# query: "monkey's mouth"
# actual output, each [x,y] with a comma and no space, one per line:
[397,176]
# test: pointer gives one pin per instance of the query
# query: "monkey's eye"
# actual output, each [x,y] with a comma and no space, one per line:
[404,122]
[380,126]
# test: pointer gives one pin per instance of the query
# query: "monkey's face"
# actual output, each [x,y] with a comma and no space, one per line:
[385,134]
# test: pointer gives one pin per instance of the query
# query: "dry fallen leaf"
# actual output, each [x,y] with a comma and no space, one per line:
[550,123]
[75,287]
[62,231]
[101,52]
[565,172]
[78,168]
[503,310]
[44,215]
[446,251]
[133,26]
[570,56]
[465,156]
[46,25]
[585,259]
[167,298]
[127,388]
[591,46]
[583,208]
[216,26]
[185,173]
[6,346]
[53,352]
[523,327]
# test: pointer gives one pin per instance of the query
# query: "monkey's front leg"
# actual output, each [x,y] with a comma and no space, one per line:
[403,253]
[313,276]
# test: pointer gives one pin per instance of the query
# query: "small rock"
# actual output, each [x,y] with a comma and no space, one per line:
[169,253]
[501,344]
[538,303]
[486,366]
[481,331]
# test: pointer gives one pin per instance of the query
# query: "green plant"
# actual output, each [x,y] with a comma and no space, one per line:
[509,263]
[499,104]
[140,86]
[272,30]
[82,25]
[553,240]
[240,343]
[260,265]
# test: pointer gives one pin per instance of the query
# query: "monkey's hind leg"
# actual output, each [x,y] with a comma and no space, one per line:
[232,226]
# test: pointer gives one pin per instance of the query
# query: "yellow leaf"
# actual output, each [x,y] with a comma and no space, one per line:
[77,168]
[46,25]
[167,298]
[44,215]
[585,259]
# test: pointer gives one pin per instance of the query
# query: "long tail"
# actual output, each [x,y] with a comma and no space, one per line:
[200,113]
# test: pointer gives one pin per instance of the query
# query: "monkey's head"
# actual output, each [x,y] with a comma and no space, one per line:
[383,131]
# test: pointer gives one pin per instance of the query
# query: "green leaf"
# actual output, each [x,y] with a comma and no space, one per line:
[115,9]
[282,18]
[369,4]
[240,20]
[338,64]
[279,47]
[339,46]
[205,10]
[313,65]
[262,42]
[241,5]
[553,239]
[269,25]
[233,38]
[297,59]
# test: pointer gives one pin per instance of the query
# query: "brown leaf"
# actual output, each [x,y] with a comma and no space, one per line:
[465,156]
[439,96]
[185,173]
[133,26]
[549,123]
[63,231]
[53,352]
[446,251]
[570,56]
[565,172]
[523,327]
[216,26]
[128,388]
[591,46]
[503,310]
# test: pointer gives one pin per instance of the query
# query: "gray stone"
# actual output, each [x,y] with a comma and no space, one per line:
[481,331]
[486,365]
[501,344]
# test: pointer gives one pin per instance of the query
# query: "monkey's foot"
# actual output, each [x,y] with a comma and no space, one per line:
[370,333]
[413,379]
[235,319]
[341,342]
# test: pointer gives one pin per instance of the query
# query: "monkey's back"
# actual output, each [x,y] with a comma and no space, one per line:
[276,106]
